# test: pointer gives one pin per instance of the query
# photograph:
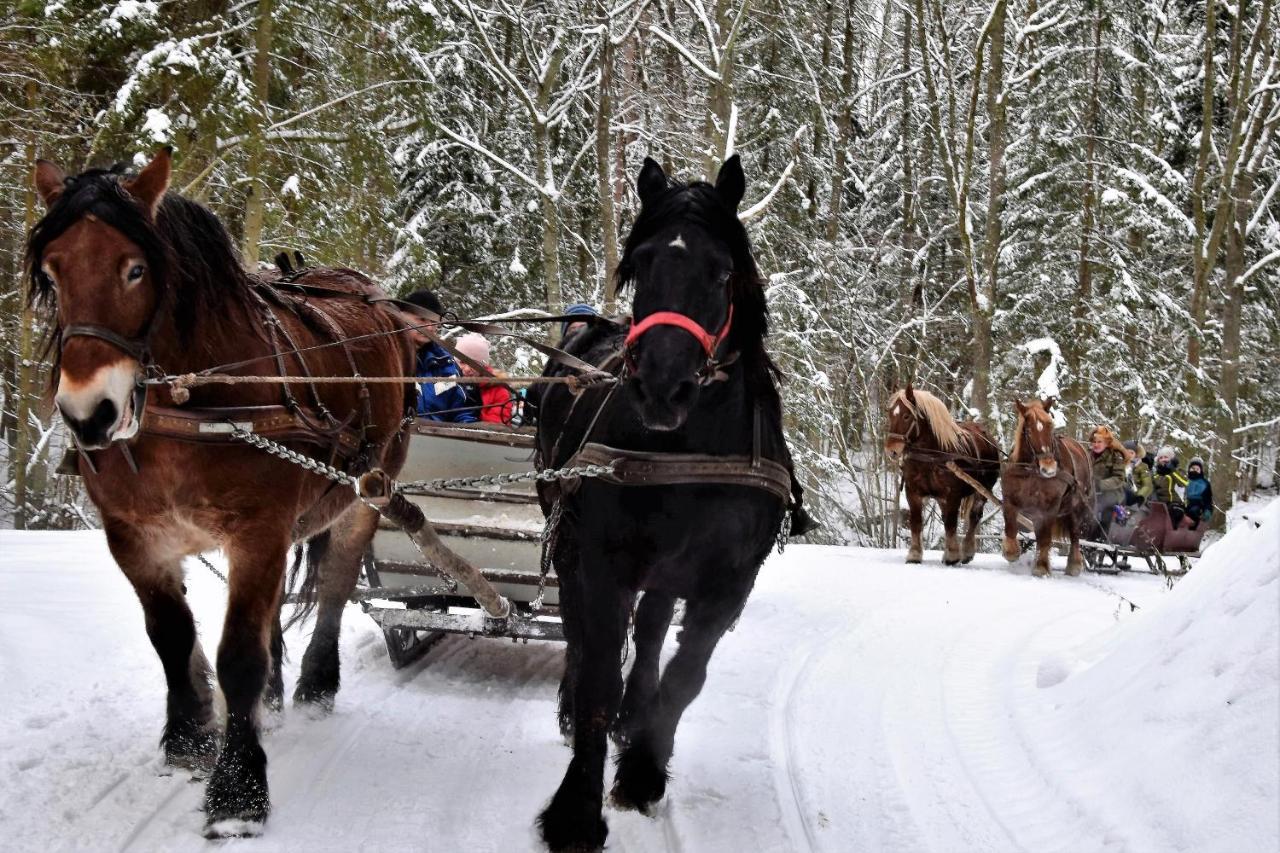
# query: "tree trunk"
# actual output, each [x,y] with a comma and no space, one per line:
[604,172]
[24,387]
[1224,473]
[255,203]
[844,126]
[982,343]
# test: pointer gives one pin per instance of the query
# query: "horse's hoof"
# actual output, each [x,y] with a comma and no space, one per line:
[639,781]
[233,828]
[563,831]
[314,702]
[915,556]
[951,561]
[1074,571]
[1041,572]
[194,749]
[236,801]
[967,560]
[1011,551]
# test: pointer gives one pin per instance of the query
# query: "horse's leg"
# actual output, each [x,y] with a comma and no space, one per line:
[641,778]
[653,617]
[190,737]
[977,503]
[1044,541]
[1010,544]
[570,619]
[273,696]
[341,549]
[951,523]
[1075,561]
[573,819]
[236,799]
[915,513]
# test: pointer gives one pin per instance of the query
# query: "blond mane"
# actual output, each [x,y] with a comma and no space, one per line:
[934,412]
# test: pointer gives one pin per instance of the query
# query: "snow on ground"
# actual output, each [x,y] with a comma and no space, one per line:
[861,704]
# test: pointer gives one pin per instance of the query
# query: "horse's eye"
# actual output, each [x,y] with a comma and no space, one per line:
[136,271]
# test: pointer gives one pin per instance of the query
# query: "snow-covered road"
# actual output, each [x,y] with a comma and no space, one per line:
[861,704]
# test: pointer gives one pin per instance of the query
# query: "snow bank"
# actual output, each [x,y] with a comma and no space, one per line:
[1177,718]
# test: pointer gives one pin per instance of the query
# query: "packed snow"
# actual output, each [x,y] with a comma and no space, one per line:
[861,704]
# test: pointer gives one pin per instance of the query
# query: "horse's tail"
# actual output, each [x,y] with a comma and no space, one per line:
[307,557]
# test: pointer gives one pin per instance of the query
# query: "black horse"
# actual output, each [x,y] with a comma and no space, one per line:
[685,390]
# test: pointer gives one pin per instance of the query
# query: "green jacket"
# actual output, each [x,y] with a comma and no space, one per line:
[1166,487]
[1142,483]
[1108,472]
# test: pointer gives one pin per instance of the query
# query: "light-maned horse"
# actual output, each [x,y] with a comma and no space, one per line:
[137,280]
[689,389]
[1048,479]
[921,435]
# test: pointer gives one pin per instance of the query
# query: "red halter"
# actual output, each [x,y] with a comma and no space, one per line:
[709,342]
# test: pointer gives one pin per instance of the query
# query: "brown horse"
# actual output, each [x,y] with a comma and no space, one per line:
[138,282]
[1048,479]
[921,433]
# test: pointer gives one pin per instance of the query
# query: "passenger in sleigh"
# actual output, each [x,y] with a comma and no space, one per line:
[1168,484]
[1138,489]
[494,403]
[1109,460]
[441,399]
[1199,493]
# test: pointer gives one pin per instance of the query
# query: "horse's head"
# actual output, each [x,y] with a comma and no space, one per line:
[902,423]
[97,262]
[1036,434]
[684,255]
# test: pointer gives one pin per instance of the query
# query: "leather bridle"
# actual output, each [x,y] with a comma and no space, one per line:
[711,369]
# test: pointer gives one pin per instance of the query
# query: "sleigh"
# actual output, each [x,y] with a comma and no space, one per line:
[497,527]
[1152,537]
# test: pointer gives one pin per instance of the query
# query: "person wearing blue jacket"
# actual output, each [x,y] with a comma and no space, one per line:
[439,398]
[1199,493]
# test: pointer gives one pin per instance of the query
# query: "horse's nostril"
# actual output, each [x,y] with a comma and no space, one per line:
[684,393]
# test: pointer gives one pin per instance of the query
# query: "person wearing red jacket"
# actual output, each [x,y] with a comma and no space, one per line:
[495,403]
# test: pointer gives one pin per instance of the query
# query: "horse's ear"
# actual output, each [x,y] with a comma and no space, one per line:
[652,181]
[731,184]
[50,181]
[910,393]
[152,182]
[1048,403]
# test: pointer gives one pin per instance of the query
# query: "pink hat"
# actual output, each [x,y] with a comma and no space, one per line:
[474,347]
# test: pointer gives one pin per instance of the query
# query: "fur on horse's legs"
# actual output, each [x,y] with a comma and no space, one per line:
[573,819]
[236,798]
[1009,547]
[273,696]
[653,617]
[190,737]
[972,508]
[1075,561]
[641,777]
[951,524]
[1044,541]
[337,554]
[915,514]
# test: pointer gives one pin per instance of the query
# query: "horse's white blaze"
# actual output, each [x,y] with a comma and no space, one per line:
[897,410]
[114,382]
[1039,426]
[678,242]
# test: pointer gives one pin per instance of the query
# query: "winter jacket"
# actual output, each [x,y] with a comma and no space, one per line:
[1199,491]
[1142,483]
[495,403]
[1108,475]
[438,398]
[1167,480]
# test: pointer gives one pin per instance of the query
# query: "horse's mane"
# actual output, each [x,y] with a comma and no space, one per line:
[190,255]
[944,427]
[698,203]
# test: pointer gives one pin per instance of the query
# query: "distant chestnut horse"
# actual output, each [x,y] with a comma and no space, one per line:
[923,435]
[1049,479]
[140,281]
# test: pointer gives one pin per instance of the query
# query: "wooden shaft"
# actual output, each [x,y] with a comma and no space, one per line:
[986,493]
[375,487]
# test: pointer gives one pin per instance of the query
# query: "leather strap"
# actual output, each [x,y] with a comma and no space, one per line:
[214,426]
[641,468]
[134,347]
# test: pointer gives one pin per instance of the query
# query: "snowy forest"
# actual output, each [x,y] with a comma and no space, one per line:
[992,199]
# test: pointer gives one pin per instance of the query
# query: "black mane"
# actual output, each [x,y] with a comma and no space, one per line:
[699,204]
[192,260]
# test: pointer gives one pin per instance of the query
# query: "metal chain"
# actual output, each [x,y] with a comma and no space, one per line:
[211,567]
[549,475]
[548,544]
